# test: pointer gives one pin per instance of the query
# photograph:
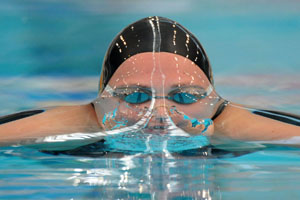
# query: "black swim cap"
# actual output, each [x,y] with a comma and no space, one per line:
[153,34]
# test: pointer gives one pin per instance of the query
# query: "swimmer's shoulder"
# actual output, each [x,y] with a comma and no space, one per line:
[53,121]
[244,123]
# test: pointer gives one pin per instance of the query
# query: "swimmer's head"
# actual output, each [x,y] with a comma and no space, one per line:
[153,34]
[156,77]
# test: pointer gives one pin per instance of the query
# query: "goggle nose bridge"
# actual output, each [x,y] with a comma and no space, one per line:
[161,97]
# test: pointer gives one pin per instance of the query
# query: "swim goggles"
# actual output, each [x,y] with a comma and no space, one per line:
[180,95]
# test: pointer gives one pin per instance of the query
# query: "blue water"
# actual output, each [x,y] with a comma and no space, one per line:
[266,174]
[39,38]
[51,54]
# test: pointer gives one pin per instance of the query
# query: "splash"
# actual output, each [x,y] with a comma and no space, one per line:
[153,143]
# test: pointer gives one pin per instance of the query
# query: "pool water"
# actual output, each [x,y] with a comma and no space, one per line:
[52,53]
[272,173]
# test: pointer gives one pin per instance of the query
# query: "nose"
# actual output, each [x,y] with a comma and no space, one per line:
[160,110]
[160,114]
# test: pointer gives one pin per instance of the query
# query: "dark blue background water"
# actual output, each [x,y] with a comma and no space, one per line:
[70,37]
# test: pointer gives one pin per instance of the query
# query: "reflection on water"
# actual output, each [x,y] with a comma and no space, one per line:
[127,177]
[155,177]
[27,173]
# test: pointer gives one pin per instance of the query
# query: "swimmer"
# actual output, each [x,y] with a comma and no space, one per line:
[156,78]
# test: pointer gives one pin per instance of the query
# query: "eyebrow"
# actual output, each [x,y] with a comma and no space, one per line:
[175,86]
[140,87]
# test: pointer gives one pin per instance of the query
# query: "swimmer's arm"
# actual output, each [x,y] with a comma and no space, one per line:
[239,123]
[55,121]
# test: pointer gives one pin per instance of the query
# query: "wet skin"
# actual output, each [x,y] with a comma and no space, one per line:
[162,74]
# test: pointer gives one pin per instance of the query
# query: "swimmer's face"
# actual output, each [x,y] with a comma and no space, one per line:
[165,83]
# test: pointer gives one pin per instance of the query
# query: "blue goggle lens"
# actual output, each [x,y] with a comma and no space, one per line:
[184,98]
[141,97]
[137,97]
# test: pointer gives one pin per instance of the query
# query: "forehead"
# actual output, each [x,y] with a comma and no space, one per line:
[156,67]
